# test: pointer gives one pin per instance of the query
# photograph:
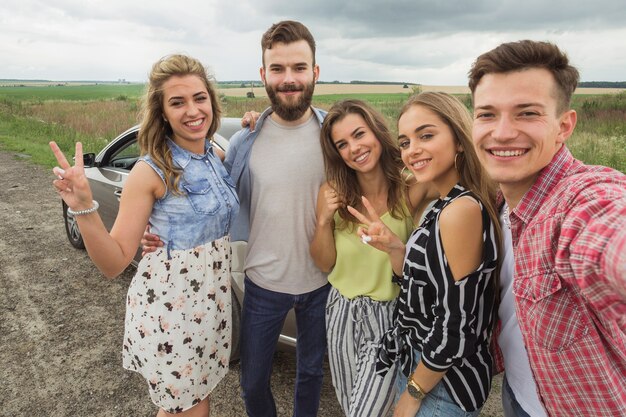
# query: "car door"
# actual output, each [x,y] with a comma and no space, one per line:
[107,178]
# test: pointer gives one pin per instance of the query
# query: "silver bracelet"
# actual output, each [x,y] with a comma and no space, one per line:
[86,211]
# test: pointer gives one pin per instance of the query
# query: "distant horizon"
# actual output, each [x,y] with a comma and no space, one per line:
[124,81]
[255,82]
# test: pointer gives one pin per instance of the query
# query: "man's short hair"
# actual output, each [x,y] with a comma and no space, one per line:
[527,54]
[287,31]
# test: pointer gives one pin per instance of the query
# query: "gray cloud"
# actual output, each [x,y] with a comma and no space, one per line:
[397,40]
[367,18]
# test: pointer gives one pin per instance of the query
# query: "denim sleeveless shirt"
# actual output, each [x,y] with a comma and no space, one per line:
[207,208]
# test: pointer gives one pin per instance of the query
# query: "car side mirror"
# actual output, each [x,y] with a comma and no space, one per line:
[89,159]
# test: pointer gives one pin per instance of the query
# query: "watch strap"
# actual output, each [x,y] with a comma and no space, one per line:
[414,389]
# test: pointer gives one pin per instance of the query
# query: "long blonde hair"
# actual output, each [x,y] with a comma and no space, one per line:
[154,130]
[472,175]
[343,178]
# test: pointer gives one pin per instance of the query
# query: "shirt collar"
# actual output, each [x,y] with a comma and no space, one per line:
[548,179]
[319,115]
[182,157]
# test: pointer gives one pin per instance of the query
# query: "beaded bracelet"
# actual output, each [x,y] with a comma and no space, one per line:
[86,211]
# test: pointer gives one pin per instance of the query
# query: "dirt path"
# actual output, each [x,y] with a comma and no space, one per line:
[61,322]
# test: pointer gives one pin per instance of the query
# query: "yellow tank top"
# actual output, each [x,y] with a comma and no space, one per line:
[361,270]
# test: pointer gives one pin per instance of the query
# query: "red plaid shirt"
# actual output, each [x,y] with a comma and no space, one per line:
[569,238]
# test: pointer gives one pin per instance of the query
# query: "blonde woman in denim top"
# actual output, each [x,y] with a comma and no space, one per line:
[361,159]
[177,327]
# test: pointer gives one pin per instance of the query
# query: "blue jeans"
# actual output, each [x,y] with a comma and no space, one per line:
[262,319]
[510,405]
[437,403]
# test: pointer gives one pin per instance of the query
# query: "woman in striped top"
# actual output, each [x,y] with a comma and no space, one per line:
[448,269]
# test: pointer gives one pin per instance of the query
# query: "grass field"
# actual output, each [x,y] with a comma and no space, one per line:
[31,116]
[72,92]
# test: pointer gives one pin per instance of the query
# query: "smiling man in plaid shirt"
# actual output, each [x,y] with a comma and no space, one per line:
[568,223]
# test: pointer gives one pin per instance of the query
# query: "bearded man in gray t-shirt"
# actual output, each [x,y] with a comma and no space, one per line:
[278,170]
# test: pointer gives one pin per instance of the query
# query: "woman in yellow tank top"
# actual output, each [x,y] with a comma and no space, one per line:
[361,159]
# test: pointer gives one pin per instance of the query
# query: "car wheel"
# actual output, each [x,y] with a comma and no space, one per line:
[71,229]
[236,323]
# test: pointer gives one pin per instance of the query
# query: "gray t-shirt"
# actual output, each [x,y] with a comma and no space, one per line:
[287,169]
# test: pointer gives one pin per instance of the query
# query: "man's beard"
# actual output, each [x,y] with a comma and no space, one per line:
[288,111]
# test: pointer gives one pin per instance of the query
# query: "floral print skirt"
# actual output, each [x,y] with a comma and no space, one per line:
[178,323]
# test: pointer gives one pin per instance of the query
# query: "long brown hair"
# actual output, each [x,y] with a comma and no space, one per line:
[344,179]
[153,130]
[472,175]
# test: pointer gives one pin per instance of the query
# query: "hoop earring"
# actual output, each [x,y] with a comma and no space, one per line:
[455,163]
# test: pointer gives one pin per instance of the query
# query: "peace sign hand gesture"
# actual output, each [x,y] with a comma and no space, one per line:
[71,182]
[378,235]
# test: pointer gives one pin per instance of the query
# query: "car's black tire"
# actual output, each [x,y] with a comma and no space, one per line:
[235,327]
[71,229]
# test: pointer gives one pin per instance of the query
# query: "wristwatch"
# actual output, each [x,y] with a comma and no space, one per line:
[415,390]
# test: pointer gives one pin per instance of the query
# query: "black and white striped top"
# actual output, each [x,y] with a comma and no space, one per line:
[448,321]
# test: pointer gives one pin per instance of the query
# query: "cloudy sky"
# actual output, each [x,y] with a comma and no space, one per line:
[427,42]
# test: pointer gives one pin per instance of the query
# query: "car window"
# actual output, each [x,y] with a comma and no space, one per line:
[125,157]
